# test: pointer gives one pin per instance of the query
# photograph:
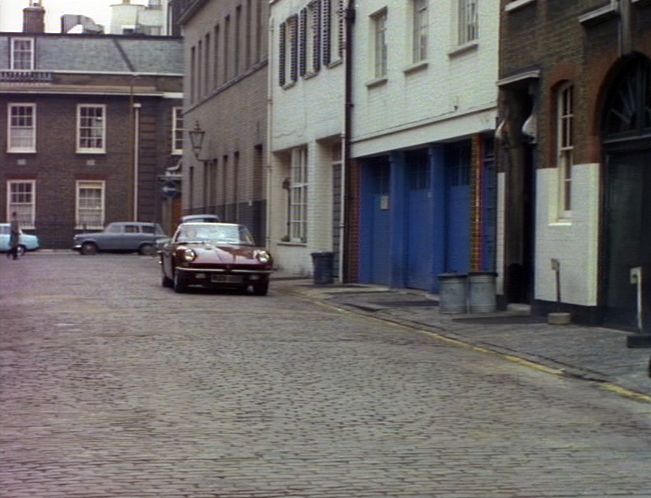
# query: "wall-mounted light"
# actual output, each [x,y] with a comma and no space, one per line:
[196,139]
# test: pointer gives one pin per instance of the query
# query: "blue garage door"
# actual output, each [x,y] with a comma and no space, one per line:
[419,221]
[379,223]
[458,208]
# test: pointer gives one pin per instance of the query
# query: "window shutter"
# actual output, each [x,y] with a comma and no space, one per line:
[282,39]
[340,28]
[316,33]
[325,31]
[302,43]
[293,36]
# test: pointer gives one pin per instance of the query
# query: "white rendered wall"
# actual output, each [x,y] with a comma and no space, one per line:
[306,113]
[453,94]
[573,242]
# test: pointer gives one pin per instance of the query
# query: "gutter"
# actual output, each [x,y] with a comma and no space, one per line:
[349,22]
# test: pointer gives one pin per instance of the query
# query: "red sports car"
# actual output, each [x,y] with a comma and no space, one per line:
[217,255]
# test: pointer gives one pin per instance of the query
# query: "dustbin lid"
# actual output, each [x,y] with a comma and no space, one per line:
[452,275]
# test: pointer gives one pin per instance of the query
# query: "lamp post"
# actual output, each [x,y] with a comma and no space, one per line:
[196,139]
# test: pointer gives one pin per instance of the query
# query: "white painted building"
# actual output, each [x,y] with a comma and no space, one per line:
[425,107]
[130,18]
[306,108]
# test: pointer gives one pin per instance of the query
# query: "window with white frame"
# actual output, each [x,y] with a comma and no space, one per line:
[468,23]
[379,43]
[288,54]
[332,20]
[21,128]
[565,146]
[310,39]
[90,204]
[22,54]
[298,196]
[177,130]
[91,128]
[420,28]
[21,199]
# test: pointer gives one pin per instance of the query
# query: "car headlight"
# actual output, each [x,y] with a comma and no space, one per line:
[263,256]
[189,255]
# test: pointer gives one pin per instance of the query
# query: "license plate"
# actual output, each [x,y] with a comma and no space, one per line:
[228,279]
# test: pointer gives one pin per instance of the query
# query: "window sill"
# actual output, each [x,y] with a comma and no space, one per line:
[597,16]
[335,63]
[287,86]
[90,152]
[89,227]
[462,49]
[25,151]
[177,152]
[516,4]
[565,222]
[310,75]
[289,243]
[415,67]
[376,82]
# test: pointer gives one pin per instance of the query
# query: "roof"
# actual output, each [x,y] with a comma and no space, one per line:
[101,53]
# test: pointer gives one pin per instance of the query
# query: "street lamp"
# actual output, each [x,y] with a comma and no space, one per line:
[196,139]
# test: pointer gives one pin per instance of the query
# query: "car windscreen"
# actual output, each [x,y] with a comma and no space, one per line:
[223,234]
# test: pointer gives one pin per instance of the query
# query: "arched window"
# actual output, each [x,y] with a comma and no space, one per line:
[627,113]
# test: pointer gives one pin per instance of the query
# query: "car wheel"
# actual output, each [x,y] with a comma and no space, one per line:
[179,283]
[88,248]
[147,250]
[261,289]
[166,282]
[20,251]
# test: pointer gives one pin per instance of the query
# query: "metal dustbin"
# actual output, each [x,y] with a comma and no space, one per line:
[481,292]
[452,292]
[323,263]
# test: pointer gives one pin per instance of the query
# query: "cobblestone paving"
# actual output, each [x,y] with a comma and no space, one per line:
[112,386]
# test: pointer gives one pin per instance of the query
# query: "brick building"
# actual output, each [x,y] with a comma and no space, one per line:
[575,93]
[225,44]
[88,125]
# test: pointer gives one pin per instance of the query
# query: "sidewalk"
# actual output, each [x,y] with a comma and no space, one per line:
[595,354]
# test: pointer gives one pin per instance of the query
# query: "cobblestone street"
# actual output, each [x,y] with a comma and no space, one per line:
[113,386]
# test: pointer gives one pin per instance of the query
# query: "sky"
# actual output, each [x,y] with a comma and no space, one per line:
[11,12]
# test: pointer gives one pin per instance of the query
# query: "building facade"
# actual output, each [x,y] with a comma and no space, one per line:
[87,128]
[574,99]
[225,44]
[425,107]
[306,91]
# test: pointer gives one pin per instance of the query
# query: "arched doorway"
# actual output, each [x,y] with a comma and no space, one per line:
[626,135]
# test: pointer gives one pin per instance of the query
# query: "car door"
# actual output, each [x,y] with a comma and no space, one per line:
[108,240]
[4,237]
[131,238]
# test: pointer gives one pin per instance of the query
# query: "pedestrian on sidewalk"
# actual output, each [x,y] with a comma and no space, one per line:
[14,236]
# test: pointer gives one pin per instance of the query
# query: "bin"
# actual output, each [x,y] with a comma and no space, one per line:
[481,292]
[452,292]
[323,263]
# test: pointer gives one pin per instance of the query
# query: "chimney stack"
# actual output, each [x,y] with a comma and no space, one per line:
[34,18]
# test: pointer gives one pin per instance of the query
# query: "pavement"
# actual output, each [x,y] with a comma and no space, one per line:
[594,354]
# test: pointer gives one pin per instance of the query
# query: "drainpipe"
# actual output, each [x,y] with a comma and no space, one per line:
[349,22]
[136,150]
[268,153]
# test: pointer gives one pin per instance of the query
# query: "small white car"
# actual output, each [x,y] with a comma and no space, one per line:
[26,242]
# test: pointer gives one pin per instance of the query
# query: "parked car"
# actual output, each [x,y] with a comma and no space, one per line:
[202,218]
[218,255]
[120,236]
[26,242]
